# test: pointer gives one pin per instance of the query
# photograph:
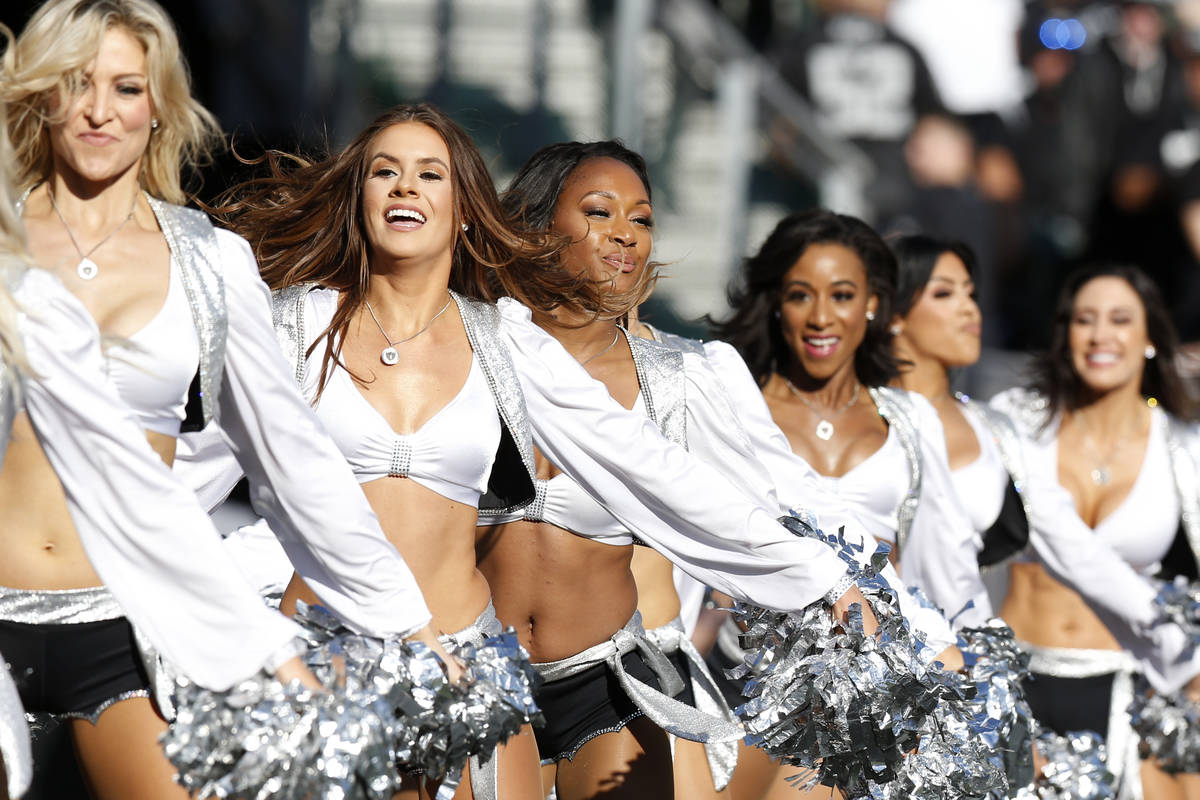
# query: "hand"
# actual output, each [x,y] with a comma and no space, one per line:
[454,667]
[841,610]
[294,670]
[952,659]
[1192,689]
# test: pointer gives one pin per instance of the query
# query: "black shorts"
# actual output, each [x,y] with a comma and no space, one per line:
[1065,705]
[731,689]
[680,662]
[75,670]
[580,708]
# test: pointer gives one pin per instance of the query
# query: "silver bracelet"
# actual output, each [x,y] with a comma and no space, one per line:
[840,588]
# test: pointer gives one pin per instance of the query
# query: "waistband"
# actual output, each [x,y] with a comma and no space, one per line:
[485,625]
[676,718]
[58,606]
[1123,761]
[721,756]
[1073,662]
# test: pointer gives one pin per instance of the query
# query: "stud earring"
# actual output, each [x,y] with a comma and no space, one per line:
[154,123]
[895,329]
[465,227]
[1150,351]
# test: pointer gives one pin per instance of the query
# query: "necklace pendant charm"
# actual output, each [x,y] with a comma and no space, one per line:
[389,356]
[1101,476]
[824,430]
[87,269]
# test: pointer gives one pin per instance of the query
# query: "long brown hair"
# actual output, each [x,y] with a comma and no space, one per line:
[304,221]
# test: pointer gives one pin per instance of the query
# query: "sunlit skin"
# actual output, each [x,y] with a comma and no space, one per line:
[824,301]
[547,581]
[939,333]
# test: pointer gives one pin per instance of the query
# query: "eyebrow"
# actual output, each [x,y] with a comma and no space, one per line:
[426,160]
[845,281]
[611,196]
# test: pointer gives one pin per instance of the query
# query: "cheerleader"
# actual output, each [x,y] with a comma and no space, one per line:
[102,122]
[383,257]
[1108,418]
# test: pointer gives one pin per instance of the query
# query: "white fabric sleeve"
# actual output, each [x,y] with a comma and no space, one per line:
[941,556]
[299,480]
[206,465]
[144,533]
[262,559]
[673,501]
[796,486]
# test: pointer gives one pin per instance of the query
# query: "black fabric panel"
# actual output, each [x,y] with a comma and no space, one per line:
[1009,534]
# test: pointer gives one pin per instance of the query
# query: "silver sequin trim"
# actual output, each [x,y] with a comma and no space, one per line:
[193,243]
[58,606]
[94,716]
[660,372]
[896,407]
[401,458]
[536,510]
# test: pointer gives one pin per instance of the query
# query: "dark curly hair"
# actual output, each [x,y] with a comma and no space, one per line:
[754,294]
[1053,374]
[533,193]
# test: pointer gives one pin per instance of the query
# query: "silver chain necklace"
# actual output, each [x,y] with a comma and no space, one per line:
[389,355]
[1101,474]
[611,345]
[87,269]
[824,429]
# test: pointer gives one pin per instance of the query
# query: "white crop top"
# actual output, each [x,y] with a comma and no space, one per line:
[874,487]
[451,454]
[563,502]
[983,481]
[1142,528]
[153,369]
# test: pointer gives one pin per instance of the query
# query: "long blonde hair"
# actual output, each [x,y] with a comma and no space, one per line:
[14,255]
[48,59]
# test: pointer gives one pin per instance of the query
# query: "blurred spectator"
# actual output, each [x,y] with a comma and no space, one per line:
[970,48]
[866,85]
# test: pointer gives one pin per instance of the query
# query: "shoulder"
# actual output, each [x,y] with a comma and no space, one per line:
[1026,409]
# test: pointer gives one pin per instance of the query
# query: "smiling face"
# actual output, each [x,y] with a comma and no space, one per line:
[105,127]
[408,195]
[824,302]
[604,209]
[1107,335]
[944,323]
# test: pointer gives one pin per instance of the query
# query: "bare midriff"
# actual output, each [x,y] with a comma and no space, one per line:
[37,536]
[1043,612]
[436,538]
[658,599]
[563,593]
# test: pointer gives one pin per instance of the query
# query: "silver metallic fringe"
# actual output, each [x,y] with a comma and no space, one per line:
[1168,728]
[1178,601]
[854,707]
[388,708]
[1074,769]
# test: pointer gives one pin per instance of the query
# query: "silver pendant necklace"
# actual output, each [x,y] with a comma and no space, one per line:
[87,269]
[389,355]
[611,345]
[1100,474]
[824,430]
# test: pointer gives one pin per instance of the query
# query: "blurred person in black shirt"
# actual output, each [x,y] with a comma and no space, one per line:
[866,85]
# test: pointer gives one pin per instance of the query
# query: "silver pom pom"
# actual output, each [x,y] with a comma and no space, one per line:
[262,740]
[853,707]
[1074,769]
[438,725]
[1168,727]
[1179,601]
